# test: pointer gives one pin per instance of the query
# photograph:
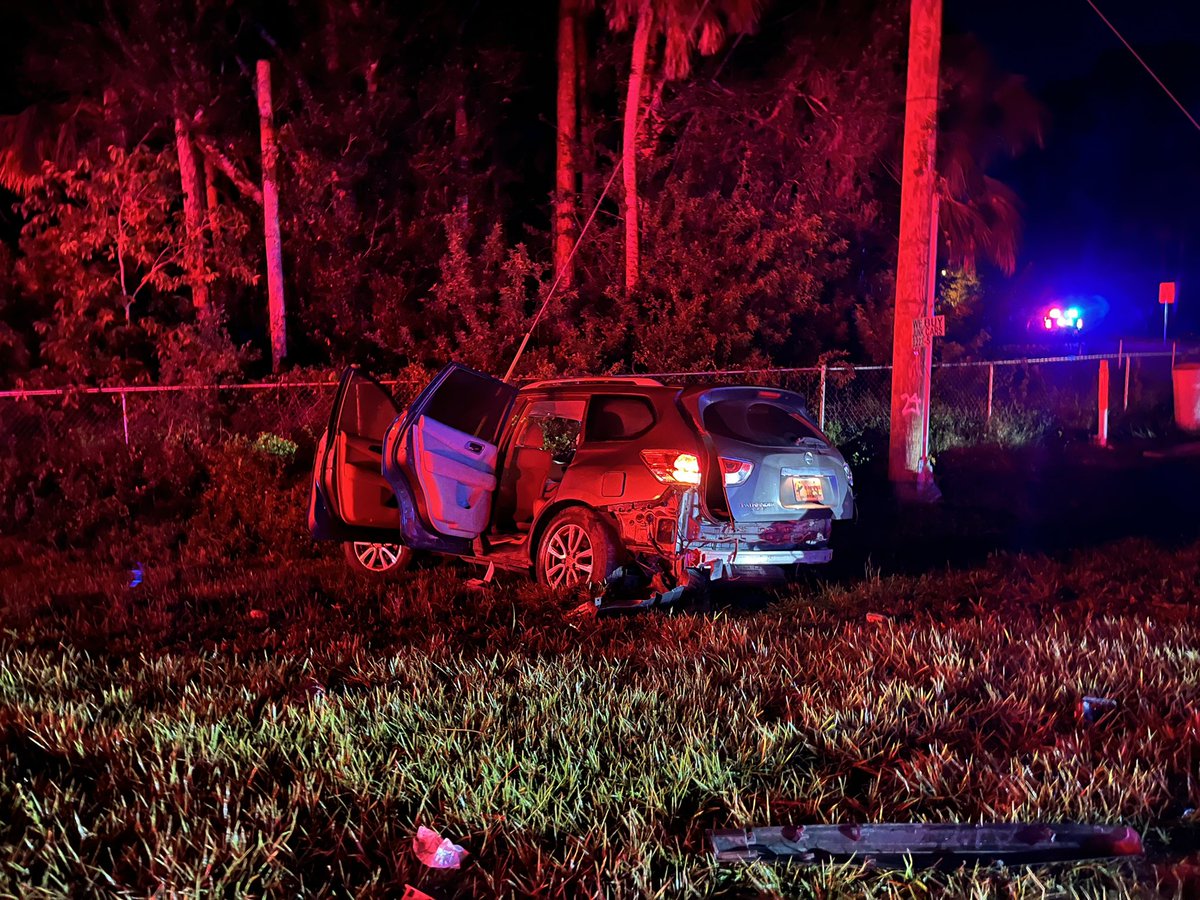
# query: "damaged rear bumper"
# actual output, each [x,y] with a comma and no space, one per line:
[741,548]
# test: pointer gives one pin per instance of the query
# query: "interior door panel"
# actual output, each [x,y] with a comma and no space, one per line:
[350,496]
[364,497]
[456,472]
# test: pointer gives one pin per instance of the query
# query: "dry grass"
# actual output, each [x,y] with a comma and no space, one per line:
[278,730]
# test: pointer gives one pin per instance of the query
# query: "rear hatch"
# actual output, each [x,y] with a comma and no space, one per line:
[767,461]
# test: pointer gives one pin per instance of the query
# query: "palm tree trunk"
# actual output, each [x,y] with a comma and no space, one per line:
[585,155]
[274,245]
[193,215]
[633,96]
[564,181]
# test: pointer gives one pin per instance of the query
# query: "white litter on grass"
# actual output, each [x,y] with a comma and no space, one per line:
[436,851]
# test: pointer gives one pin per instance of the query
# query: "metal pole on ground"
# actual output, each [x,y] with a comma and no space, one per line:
[1125,402]
[821,408]
[125,418]
[991,384]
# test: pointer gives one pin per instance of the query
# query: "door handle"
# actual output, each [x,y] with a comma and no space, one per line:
[475,446]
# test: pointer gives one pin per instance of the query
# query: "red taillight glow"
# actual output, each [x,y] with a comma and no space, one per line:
[735,470]
[672,467]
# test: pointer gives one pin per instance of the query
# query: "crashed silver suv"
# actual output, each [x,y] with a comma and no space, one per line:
[579,479]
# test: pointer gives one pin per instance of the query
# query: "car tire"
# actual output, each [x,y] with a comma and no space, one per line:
[376,559]
[576,548]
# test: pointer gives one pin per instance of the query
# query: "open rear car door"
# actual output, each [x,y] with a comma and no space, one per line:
[442,456]
[350,499]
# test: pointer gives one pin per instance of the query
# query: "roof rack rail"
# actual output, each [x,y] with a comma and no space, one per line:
[637,380]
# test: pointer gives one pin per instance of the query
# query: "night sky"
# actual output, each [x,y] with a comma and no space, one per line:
[1112,203]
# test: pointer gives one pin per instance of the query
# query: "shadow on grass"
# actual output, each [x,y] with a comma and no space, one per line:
[1027,500]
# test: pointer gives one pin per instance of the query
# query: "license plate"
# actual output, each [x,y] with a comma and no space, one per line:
[808,489]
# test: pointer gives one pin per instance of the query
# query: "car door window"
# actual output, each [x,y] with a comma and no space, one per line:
[470,403]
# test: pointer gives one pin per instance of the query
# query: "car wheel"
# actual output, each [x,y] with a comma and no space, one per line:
[375,558]
[576,548]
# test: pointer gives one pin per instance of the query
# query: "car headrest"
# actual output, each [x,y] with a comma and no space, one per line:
[534,436]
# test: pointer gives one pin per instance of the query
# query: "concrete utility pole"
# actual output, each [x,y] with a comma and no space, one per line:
[915,267]
[270,192]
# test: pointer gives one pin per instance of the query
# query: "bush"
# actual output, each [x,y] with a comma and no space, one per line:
[253,503]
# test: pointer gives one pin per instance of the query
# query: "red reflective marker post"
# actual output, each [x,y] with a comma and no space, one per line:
[1102,405]
[1166,297]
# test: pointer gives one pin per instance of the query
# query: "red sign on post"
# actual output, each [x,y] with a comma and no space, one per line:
[1166,292]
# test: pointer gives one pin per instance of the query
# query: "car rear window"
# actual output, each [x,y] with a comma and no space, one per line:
[618,418]
[759,422]
[470,403]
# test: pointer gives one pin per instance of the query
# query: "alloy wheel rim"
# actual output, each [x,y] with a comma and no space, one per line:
[569,557]
[376,557]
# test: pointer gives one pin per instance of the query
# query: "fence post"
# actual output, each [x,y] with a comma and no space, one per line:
[125,418]
[1102,405]
[991,383]
[821,406]
[1125,402]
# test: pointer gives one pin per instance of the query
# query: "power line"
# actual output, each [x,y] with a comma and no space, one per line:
[1145,65]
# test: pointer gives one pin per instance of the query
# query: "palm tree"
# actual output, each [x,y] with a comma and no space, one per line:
[567,108]
[683,26]
[984,115]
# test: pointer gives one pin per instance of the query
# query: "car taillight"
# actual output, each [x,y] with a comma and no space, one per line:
[672,467]
[735,470]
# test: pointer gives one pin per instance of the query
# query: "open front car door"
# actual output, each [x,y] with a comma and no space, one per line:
[442,456]
[350,499]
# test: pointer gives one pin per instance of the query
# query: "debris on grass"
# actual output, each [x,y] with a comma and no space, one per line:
[436,851]
[1092,708]
[877,618]
[412,893]
[904,845]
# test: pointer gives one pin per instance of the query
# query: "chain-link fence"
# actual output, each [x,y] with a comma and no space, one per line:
[1006,401]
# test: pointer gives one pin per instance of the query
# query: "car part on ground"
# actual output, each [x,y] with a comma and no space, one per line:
[923,845]
[377,558]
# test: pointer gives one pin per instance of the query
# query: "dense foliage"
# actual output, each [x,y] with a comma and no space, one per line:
[416,169]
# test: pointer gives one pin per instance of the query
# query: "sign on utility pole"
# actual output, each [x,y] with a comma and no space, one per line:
[915,265]
[1166,297]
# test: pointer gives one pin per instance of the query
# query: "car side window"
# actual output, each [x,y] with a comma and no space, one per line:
[552,425]
[617,417]
[469,403]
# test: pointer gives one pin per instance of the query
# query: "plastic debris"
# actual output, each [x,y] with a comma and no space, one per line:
[436,851]
[412,893]
[258,615]
[136,575]
[877,618]
[1092,708]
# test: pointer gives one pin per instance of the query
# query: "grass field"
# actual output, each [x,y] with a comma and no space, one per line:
[275,726]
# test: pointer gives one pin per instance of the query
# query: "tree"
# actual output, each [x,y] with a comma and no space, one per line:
[567,118]
[985,114]
[683,26]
